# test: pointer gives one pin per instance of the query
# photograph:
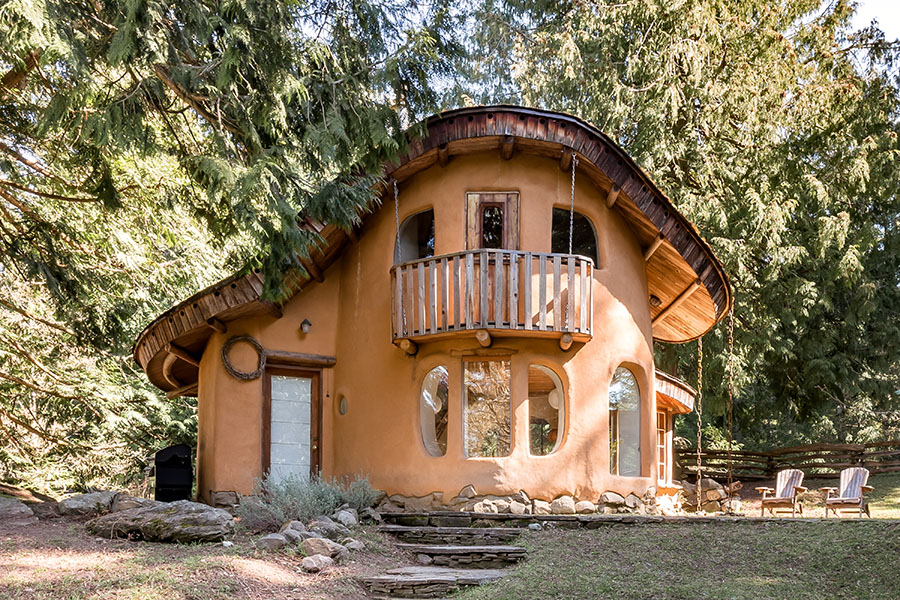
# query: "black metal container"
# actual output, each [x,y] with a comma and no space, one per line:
[174,473]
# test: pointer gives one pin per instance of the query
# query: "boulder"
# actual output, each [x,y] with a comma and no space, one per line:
[540,507]
[295,525]
[45,510]
[467,492]
[315,563]
[328,528]
[389,507]
[305,535]
[325,547]
[611,499]
[423,504]
[122,501]
[564,505]
[369,515]
[181,521]
[502,505]
[272,541]
[15,512]
[585,507]
[633,502]
[484,506]
[292,535]
[522,497]
[650,493]
[534,526]
[347,517]
[87,504]
[354,545]
[517,508]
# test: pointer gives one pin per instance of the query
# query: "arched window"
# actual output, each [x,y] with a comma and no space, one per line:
[584,237]
[624,424]
[433,410]
[546,410]
[416,237]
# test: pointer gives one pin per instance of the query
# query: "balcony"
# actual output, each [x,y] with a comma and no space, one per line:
[492,293]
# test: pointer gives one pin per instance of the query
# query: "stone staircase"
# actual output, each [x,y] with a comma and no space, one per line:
[453,554]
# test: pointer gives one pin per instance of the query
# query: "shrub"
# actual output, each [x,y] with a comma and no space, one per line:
[273,503]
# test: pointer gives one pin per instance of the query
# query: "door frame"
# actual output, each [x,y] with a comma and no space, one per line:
[315,416]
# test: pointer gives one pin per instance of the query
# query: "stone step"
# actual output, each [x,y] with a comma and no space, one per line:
[459,536]
[466,557]
[426,582]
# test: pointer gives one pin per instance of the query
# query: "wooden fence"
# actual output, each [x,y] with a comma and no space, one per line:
[492,289]
[816,460]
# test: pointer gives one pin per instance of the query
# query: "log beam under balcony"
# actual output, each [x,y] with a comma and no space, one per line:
[483,337]
[653,247]
[408,346]
[443,155]
[566,341]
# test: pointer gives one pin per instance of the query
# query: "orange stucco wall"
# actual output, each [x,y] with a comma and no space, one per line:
[351,316]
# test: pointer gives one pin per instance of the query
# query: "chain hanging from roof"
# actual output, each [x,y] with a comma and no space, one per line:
[730,396]
[572,202]
[699,420]
[396,221]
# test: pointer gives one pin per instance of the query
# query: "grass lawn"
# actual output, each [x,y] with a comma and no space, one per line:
[758,561]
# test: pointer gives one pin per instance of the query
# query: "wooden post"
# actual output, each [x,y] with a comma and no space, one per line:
[565,342]
[408,346]
[483,337]
[443,155]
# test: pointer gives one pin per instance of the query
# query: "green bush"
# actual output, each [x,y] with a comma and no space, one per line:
[273,503]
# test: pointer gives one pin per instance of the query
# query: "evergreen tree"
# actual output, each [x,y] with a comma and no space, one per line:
[773,126]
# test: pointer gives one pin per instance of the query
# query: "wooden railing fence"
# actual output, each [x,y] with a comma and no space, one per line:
[816,460]
[492,289]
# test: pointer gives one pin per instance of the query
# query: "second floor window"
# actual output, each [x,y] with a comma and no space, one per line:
[584,238]
[416,237]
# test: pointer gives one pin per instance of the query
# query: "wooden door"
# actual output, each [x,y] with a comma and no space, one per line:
[291,422]
[492,220]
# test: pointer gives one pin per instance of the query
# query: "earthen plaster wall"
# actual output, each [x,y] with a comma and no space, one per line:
[350,314]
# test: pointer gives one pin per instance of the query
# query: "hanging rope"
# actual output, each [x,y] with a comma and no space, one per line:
[730,395]
[396,222]
[572,202]
[699,419]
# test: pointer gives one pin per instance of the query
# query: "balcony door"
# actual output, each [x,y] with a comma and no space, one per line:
[492,220]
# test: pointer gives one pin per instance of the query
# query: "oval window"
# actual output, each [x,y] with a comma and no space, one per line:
[433,410]
[624,424]
[546,410]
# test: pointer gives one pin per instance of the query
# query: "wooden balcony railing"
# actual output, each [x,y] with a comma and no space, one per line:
[494,290]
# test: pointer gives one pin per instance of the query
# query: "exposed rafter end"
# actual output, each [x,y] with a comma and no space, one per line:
[443,155]
[182,353]
[483,337]
[565,160]
[313,269]
[507,147]
[654,246]
[186,390]
[676,302]
[566,341]
[272,308]
[612,196]
[217,325]
[408,346]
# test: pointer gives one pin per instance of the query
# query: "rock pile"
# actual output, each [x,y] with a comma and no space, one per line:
[713,496]
[468,500]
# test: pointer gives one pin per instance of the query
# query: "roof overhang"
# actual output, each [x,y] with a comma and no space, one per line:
[674,394]
[682,272]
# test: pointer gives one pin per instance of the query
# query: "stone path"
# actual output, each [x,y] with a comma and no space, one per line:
[453,553]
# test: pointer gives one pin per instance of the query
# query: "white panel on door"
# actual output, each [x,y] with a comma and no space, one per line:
[289,449]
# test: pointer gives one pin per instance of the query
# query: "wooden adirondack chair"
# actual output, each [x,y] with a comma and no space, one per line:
[853,486]
[787,486]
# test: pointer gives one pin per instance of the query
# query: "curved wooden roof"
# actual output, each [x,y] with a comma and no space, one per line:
[683,274]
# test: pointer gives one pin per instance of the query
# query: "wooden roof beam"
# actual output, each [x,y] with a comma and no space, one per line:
[217,325]
[565,160]
[612,196]
[183,354]
[186,390]
[313,269]
[653,247]
[443,155]
[507,147]
[676,302]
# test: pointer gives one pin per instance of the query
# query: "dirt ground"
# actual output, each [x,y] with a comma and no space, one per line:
[58,559]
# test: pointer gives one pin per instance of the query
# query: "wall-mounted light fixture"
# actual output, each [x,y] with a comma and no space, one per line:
[305,326]
[654,301]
